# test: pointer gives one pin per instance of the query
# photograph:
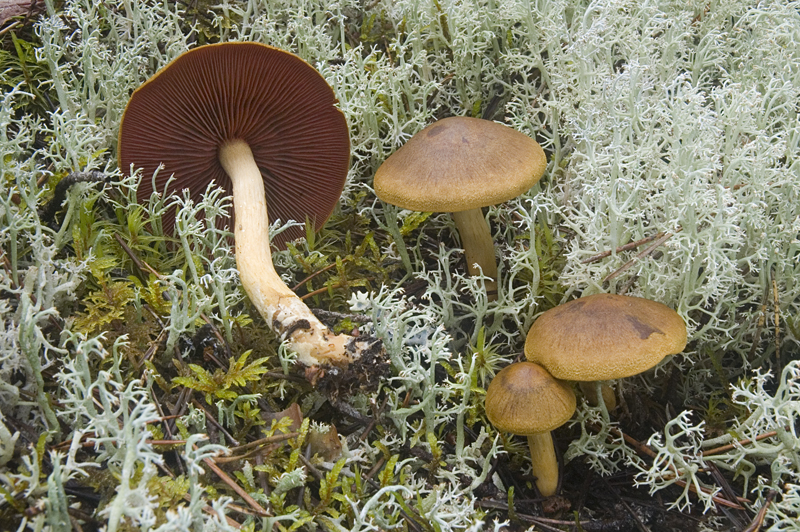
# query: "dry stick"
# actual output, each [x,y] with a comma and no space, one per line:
[641,447]
[755,526]
[231,522]
[730,446]
[736,516]
[375,468]
[540,521]
[163,418]
[644,449]
[762,320]
[211,419]
[178,410]
[10,27]
[620,249]
[378,413]
[235,487]
[307,279]
[166,421]
[76,525]
[265,441]
[230,506]
[66,444]
[316,473]
[320,291]
[627,285]
[255,451]
[638,256]
[143,266]
[777,319]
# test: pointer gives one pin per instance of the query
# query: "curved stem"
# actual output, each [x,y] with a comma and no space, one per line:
[544,463]
[478,247]
[283,311]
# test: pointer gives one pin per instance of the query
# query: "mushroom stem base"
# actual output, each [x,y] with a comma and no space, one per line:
[544,463]
[283,311]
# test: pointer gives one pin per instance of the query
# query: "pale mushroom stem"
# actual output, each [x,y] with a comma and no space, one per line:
[283,311]
[478,247]
[544,463]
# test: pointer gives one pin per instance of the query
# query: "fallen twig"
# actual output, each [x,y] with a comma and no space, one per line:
[758,520]
[644,449]
[620,249]
[730,446]
[646,252]
[236,487]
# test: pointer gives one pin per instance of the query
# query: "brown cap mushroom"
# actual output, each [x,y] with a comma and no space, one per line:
[262,123]
[460,165]
[525,399]
[602,337]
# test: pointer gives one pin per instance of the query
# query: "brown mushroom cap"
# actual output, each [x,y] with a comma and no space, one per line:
[604,336]
[273,100]
[460,163]
[524,399]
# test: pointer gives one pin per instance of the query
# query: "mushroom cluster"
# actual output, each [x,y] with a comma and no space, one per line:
[591,339]
[459,165]
[263,124]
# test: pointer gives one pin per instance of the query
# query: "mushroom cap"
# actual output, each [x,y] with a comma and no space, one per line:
[604,336]
[273,100]
[460,163]
[523,398]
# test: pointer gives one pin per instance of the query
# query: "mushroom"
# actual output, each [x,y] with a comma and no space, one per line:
[262,123]
[524,399]
[460,165]
[603,337]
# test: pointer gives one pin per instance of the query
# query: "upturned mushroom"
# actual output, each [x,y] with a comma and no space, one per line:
[524,399]
[460,165]
[604,336]
[261,123]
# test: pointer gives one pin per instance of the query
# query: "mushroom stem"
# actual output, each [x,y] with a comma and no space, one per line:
[544,463]
[283,311]
[589,390]
[478,247]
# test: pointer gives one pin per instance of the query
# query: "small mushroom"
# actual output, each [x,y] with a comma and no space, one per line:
[263,124]
[524,399]
[603,337]
[460,165]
